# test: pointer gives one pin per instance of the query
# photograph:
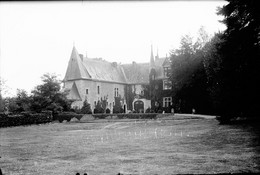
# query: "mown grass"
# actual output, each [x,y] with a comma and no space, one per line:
[142,147]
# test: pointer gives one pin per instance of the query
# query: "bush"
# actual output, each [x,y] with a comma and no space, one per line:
[127,116]
[159,111]
[148,110]
[86,108]
[117,108]
[108,111]
[98,108]
[68,116]
[25,118]
[101,116]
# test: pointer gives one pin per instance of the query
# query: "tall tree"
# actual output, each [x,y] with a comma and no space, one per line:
[48,96]
[212,62]
[188,77]
[240,53]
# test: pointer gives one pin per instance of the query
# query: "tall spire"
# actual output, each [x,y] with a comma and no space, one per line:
[157,56]
[152,64]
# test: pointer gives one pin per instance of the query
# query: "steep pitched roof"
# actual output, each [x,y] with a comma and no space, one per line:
[137,73]
[97,69]
[75,69]
[104,71]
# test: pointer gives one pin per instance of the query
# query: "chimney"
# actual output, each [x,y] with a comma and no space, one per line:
[114,64]
[81,56]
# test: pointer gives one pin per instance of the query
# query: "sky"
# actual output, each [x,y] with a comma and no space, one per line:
[38,37]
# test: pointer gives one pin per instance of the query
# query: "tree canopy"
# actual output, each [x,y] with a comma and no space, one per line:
[240,53]
[188,75]
[46,96]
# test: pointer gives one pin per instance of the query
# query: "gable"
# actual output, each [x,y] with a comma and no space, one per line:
[74,93]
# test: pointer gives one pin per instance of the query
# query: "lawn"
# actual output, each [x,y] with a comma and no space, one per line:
[137,147]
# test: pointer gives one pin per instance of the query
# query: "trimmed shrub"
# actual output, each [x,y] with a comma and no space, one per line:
[148,110]
[98,108]
[117,108]
[86,108]
[25,118]
[108,111]
[68,116]
[126,116]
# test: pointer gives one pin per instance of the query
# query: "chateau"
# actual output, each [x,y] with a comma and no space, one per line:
[138,85]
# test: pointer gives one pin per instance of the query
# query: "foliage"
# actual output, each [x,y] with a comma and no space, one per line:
[86,108]
[104,102]
[127,116]
[240,53]
[23,100]
[148,110]
[130,96]
[98,108]
[108,111]
[2,104]
[117,108]
[48,95]
[146,89]
[3,93]
[189,77]
[24,119]
[67,116]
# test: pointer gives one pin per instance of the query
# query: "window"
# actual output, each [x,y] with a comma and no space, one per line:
[167,85]
[167,101]
[116,92]
[87,91]
[166,72]
[98,90]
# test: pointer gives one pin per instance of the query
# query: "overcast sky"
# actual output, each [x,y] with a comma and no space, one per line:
[37,37]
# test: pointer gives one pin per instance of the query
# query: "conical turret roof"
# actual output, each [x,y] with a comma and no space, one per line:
[75,69]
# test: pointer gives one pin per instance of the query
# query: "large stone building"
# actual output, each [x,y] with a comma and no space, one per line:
[139,85]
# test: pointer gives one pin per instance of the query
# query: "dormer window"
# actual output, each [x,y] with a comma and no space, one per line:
[166,72]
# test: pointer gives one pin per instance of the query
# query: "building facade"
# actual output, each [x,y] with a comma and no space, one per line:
[139,85]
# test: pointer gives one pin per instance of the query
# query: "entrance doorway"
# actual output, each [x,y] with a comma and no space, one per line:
[139,106]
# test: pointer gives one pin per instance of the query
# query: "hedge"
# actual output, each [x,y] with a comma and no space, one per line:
[127,116]
[26,118]
[67,116]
